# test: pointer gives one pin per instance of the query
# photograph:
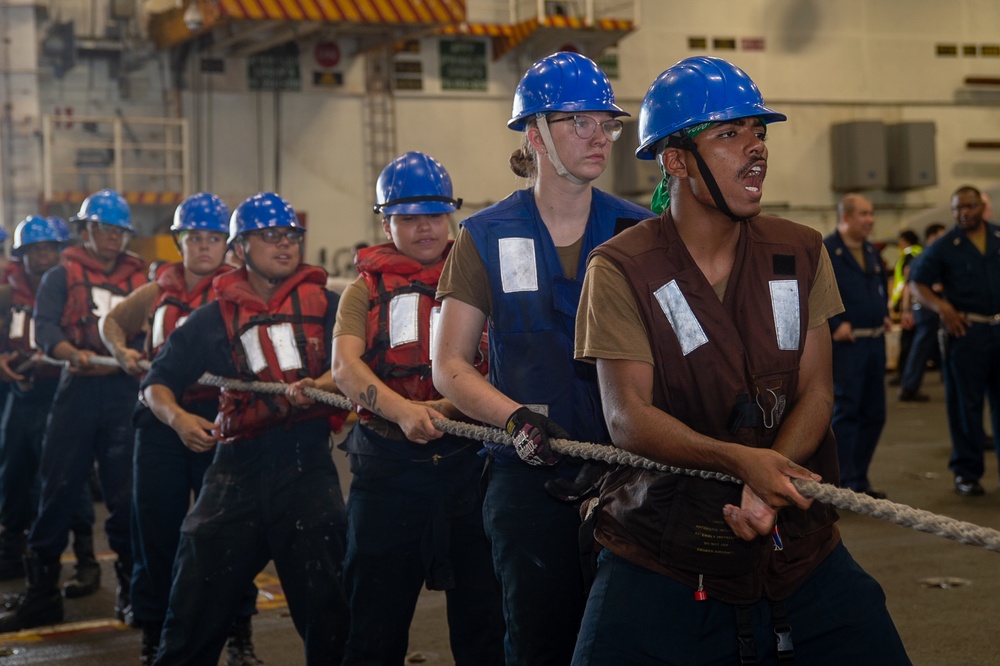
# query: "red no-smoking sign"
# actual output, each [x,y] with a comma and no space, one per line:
[327,54]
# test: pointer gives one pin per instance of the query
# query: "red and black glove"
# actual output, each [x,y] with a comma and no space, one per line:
[531,432]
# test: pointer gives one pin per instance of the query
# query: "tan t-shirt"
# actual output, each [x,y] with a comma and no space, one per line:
[352,313]
[464,276]
[607,290]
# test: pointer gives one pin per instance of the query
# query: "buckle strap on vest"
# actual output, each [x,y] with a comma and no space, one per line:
[783,632]
[744,634]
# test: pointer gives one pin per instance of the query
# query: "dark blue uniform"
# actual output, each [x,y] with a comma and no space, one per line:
[971,281]
[859,366]
[923,346]
[276,496]
[91,417]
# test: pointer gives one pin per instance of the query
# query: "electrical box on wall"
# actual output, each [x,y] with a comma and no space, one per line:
[632,175]
[858,150]
[911,155]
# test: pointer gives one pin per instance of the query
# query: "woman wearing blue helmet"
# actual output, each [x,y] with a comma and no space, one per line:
[519,265]
[165,472]
[708,328]
[414,512]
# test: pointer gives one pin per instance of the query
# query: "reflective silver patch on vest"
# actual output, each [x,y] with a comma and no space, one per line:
[252,348]
[18,320]
[283,342]
[159,337]
[686,326]
[787,318]
[435,317]
[404,311]
[22,326]
[103,300]
[517,265]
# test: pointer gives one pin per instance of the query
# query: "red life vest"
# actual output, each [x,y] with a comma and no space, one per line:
[21,332]
[402,315]
[282,340]
[171,309]
[91,293]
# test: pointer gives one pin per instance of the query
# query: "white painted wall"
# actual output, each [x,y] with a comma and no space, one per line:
[824,62]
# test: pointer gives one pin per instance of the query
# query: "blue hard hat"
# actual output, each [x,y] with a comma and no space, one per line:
[37,229]
[414,184]
[564,81]
[60,225]
[700,89]
[107,207]
[263,210]
[201,212]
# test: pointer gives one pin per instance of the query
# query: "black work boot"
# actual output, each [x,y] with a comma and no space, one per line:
[150,642]
[123,597]
[12,555]
[239,647]
[42,603]
[87,577]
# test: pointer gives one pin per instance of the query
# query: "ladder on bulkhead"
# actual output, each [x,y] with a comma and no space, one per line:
[379,119]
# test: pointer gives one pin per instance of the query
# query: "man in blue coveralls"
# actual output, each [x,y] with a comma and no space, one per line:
[858,342]
[966,262]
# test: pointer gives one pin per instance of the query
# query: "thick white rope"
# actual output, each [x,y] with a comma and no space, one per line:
[842,498]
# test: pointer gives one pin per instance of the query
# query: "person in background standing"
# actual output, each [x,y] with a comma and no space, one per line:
[924,345]
[965,261]
[858,342]
[909,249]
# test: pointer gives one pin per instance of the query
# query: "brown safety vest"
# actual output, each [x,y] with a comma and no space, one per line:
[728,370]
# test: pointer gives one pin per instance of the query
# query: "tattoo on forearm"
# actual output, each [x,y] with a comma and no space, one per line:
[368,399]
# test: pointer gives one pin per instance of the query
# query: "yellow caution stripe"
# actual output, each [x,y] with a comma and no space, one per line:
[347,11]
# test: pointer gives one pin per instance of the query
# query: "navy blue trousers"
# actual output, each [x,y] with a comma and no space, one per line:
[922,349]
[22,429]
[91,418]
[165,476]
[414,518]
[636,617]
[276,497]
[972,373]
[859,407]
[536,555]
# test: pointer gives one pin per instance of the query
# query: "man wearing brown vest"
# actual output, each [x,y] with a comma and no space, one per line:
[708,327]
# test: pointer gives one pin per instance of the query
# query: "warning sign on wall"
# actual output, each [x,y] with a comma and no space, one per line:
[463,64]
[275,69]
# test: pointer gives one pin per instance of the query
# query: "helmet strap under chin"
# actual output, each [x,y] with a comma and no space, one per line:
[687,143]
[553,155]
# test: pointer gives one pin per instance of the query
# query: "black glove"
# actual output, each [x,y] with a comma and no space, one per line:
[531,432]
[586,484]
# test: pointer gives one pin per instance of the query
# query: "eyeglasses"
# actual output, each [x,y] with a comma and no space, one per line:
[273,236]
[109,229]
[585,126]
